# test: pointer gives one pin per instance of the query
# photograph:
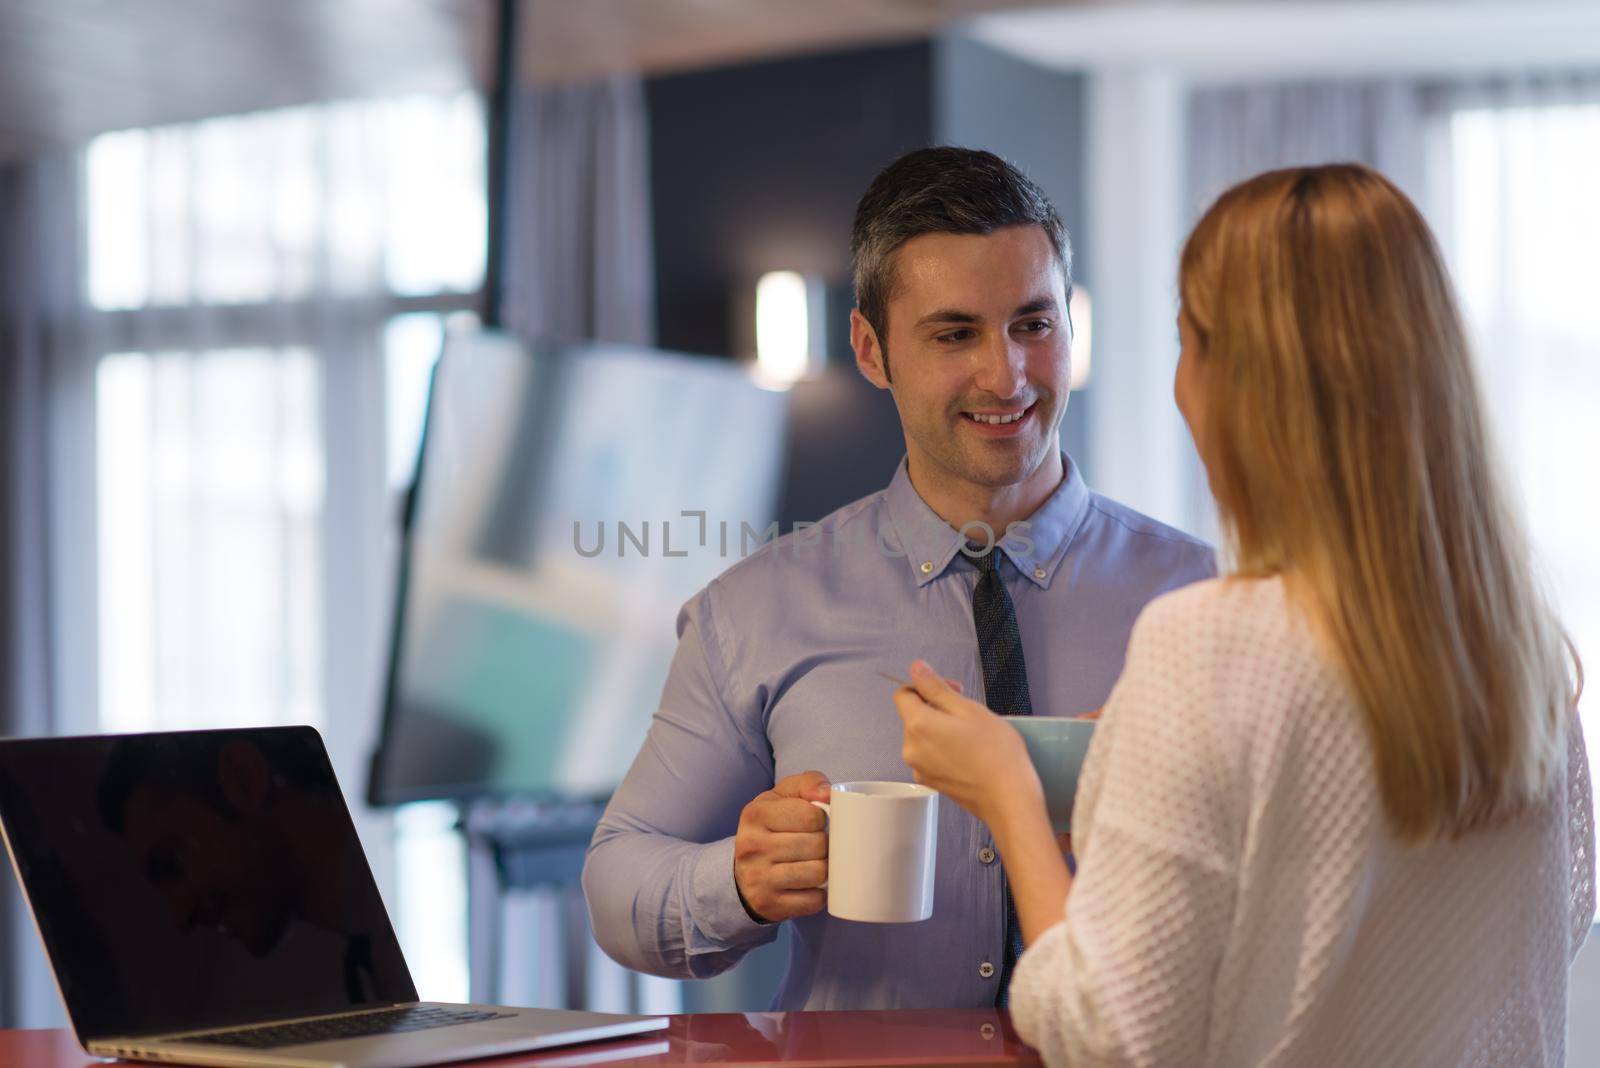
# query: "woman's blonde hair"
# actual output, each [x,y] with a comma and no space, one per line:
[1345,441]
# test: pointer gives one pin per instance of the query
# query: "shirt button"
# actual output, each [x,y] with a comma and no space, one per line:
[986,855]
[927,567]
[1038,572]
[986,970]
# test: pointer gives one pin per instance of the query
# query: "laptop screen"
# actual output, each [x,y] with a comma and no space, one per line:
[196,880]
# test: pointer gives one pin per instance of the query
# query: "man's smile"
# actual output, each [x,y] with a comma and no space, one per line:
[999,422]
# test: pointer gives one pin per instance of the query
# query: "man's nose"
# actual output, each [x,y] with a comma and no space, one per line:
[1002,368]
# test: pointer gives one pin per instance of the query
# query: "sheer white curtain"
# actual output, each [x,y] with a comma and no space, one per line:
[245,269]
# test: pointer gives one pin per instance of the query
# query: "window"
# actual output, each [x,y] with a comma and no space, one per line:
[348,199]
[246,253]
[210,471]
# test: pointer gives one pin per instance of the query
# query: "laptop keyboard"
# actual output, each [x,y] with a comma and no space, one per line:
[333,1028]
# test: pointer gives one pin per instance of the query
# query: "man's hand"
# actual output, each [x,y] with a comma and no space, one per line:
[780,852]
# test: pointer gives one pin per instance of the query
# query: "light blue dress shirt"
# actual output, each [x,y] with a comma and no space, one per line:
[776,673]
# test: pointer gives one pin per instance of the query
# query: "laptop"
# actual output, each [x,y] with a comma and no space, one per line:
[203,899]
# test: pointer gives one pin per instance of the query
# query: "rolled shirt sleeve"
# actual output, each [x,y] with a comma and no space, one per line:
[658,877]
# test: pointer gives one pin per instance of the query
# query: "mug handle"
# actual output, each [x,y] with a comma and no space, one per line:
[828,811]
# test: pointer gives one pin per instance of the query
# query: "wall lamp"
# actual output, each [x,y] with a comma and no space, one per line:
[1080,312]
[790,327]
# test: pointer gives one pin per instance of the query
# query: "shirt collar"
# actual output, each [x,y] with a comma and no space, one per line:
[930,544]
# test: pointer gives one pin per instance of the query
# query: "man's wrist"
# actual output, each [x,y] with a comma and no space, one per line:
[717,912]
[748,911]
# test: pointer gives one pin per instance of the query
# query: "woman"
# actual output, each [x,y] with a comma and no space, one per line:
[1337,809]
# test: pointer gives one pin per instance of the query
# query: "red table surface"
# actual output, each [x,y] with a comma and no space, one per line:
[910,1036]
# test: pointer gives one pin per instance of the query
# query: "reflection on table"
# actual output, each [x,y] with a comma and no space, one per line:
[914,1036]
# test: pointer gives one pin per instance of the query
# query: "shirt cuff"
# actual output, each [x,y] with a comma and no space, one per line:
[721,915]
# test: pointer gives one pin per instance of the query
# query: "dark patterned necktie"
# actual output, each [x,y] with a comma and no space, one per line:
[1005,675]
[1005,688]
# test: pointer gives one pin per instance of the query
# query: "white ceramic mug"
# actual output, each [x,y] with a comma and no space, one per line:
[881,838]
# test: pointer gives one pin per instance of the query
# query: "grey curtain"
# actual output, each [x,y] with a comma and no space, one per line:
[579,254]
[1538,89]
[39,303]
[1236,131]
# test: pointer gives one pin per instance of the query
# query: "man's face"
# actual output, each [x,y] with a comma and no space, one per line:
[978,333]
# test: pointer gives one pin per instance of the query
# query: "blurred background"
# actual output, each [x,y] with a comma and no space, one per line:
[235,238]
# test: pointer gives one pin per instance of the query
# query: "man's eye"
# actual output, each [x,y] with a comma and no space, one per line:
[955,335]
[1035,326]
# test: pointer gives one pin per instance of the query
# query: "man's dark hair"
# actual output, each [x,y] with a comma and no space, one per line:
[941,190]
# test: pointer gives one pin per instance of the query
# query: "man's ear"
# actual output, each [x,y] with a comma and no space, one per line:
[869,354]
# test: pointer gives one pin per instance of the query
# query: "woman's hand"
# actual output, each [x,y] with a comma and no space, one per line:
[963,750]
[973,757]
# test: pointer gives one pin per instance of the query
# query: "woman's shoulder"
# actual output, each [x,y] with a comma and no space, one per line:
[1228,600]
[1246,622]
[1237,657]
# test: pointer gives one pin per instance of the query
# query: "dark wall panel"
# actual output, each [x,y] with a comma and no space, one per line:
[759,168]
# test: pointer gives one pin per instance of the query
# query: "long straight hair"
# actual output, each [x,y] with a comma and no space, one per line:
[1345,442]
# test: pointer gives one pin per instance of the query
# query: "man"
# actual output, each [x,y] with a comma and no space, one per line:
[962,272]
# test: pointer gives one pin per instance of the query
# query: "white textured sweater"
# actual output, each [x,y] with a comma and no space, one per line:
[1239,900]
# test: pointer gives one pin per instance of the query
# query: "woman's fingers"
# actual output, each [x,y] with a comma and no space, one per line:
[921,720]
[932,687]
[933,743]
[909,704]
[943,694]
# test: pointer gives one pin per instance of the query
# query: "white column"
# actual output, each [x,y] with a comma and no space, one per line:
[1136,180]
[359,544]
